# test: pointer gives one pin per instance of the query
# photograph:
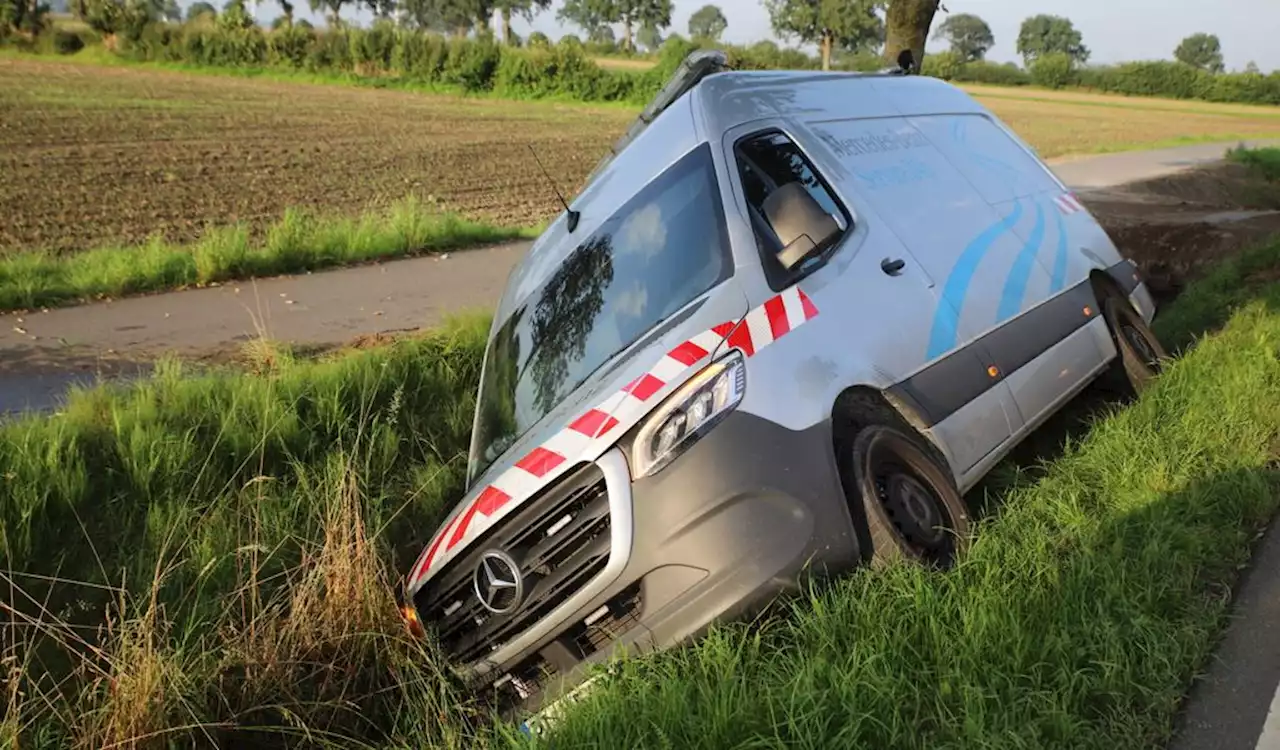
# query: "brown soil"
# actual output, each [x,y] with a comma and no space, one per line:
[92,155]
[1176,228]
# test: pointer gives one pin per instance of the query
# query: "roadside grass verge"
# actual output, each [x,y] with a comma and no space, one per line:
[299,241]
[208,559]
[1264,162]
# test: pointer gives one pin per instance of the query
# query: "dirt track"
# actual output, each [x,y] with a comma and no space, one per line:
[1166,209]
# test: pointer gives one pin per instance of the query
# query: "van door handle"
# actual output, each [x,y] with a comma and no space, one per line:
[893,267]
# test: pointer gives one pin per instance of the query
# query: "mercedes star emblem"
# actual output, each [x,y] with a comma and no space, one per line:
[497,582]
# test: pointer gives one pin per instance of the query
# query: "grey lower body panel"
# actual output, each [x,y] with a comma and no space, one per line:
[719,533]
[944,387]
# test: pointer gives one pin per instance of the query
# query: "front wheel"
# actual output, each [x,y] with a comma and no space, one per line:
[911,504]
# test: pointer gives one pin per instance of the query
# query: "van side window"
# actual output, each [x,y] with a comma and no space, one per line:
[766,163]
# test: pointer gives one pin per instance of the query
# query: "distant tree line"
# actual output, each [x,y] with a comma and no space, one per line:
[848,34]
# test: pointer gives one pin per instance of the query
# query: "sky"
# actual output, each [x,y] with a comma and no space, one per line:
[1114,30]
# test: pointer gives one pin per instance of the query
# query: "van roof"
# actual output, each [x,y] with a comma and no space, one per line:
[701,108]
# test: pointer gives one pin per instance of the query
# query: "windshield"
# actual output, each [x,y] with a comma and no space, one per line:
[663,249]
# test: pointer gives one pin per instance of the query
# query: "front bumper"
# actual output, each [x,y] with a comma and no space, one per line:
[716,535]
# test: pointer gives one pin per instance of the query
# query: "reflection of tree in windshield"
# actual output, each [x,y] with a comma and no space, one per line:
[565,314]
[497,426]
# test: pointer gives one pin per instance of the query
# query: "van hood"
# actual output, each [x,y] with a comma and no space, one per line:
[588,422]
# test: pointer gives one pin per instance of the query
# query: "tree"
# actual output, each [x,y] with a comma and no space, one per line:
[587,15]
[332,10]
[201,9]
[631,13]
[170,11]
[127,17]
[287,8]
[907,25]
[455,16]
[707,22]
[649,37]
[523,8]
[1203,51]
[1252,67]
[602,34]
[21,15]
[970,36]
[235,15]
[1043,34]
[852,24]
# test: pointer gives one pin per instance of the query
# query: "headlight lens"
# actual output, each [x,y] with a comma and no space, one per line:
[688,414]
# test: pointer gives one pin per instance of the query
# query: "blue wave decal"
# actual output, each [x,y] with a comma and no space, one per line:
[942,337]
[1015,284]
[1060,259]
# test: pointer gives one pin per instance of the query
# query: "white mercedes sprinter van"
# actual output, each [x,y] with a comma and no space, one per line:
[783,327]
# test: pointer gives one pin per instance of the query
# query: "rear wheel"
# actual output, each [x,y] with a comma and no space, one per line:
[911,504]
[1139,355]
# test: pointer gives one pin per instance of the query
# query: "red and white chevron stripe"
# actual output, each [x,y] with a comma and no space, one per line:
[586,437]
[1068,203]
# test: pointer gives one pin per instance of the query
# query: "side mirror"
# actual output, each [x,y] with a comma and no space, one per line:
[802,226]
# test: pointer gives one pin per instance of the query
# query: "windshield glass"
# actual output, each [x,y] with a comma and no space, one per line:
[663,249]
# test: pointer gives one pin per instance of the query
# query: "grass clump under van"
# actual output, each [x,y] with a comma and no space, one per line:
[209,560]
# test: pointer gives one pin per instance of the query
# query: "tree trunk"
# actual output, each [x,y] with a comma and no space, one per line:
[826,50]
[626,34]
[907,25]
[506,26]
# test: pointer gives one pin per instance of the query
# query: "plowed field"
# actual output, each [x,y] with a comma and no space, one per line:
[92,154]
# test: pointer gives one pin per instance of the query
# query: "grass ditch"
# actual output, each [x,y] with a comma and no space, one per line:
[208,560]
[298,242]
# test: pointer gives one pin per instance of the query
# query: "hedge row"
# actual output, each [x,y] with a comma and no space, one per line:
[1179,81]
[385,50]
[565,69]
[1158,78]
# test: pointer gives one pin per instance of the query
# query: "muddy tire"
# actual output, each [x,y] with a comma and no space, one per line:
[912,508]
[1140,356]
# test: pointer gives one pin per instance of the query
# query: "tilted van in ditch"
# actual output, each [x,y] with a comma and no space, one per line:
[786,323]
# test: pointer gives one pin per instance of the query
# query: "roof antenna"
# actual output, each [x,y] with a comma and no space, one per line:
[906,61]
[572,215]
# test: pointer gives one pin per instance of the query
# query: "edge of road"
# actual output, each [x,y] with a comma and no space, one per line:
[1234,704]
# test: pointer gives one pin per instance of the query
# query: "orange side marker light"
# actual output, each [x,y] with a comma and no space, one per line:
[993,371]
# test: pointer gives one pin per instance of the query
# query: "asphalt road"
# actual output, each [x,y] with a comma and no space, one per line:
[42,353]
[1236,704]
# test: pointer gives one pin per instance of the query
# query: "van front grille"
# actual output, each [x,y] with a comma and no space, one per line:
[560,539]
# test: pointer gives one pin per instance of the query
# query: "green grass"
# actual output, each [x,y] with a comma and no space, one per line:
[244,530]
[297,242]
[1264,162]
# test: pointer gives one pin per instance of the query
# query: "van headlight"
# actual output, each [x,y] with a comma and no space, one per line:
[688,414]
